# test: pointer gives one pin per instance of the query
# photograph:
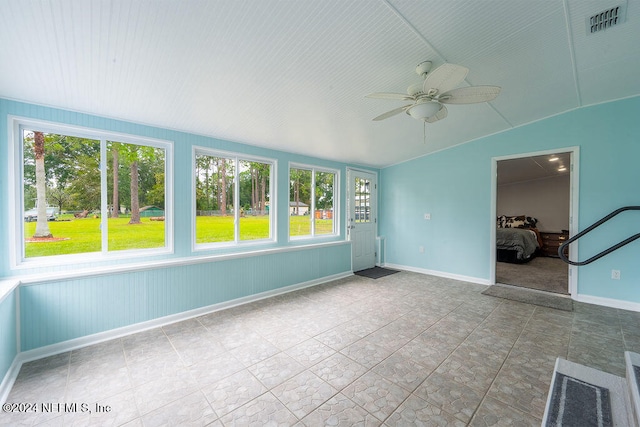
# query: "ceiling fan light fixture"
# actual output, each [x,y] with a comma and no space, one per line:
[423,110]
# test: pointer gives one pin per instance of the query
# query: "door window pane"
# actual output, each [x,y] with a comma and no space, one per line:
[362,202]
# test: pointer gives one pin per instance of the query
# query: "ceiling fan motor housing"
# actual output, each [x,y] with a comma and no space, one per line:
[415,89]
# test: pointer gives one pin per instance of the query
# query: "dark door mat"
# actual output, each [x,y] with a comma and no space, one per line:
[375,272]
[530,296]
[578,403]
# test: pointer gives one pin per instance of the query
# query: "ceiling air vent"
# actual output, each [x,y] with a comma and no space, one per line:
[605,19]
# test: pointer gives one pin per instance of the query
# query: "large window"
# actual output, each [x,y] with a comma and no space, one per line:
[84,191]
[232,198]
[312,195]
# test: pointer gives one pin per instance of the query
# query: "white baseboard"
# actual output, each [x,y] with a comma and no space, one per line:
[589,299]
[440,274]
[76,343]
[608,302]
[10,378]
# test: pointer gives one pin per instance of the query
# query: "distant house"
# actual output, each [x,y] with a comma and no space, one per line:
[151,211]
[298,208]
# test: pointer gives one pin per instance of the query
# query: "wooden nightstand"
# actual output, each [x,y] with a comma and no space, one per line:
[551,242]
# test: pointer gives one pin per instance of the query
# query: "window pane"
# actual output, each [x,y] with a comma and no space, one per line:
[363,200]
[214,199]
[136,191]
[325,182]
[254,200]
[299,202]
[61,175]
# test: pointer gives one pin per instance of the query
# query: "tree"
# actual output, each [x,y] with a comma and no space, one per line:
[223,186]
[144,162]
[155,195]
[135,206]
[324,190]
[42,227]
[60,196]
[300,186]
[71,171]
[204,189]
[115,195]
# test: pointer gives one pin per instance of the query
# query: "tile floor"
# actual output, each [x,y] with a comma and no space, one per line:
[407,349]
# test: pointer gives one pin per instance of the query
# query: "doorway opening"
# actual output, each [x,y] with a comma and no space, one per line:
[535,201]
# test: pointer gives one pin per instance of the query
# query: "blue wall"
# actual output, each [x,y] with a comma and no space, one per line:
[183,143]
[454,185]
[56,310]
[8,330]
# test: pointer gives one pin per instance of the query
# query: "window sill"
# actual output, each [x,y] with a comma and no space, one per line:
[165,263]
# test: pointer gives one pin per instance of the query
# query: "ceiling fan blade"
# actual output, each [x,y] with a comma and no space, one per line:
[444,78]
[391,113]
[441,114]
[470,95]
[390,95]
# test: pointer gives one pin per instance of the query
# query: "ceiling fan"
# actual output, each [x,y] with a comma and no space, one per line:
[427,98]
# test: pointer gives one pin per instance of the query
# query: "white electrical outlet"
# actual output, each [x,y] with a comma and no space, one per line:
[615,274]
[421,249]
[427,216]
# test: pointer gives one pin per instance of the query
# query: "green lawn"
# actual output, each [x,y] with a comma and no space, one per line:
[83,235]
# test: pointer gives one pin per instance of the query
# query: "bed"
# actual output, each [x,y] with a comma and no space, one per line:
[517,239]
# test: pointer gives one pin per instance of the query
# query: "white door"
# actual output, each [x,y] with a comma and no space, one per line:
[362,222]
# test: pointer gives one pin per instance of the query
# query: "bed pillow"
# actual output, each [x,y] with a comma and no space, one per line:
[530,222]
[517,221]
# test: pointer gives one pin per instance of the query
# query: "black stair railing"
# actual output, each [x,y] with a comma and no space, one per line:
[592,227]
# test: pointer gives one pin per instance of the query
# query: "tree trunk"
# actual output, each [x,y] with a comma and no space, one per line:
[263,198]
[296,196]
[254,190]
[223,189]
[207,190]
[42,227]
[116,179]
[135,207]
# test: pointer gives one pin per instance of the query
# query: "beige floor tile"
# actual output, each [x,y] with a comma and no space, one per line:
[408,349]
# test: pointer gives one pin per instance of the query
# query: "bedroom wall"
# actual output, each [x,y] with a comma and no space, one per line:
[546,199]
[66,302]
[454,185]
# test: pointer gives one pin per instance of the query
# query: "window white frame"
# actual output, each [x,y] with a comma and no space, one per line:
[312,208]
[16,199]
[237,158]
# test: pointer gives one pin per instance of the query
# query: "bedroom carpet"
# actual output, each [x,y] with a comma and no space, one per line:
[530,296]
[541,273]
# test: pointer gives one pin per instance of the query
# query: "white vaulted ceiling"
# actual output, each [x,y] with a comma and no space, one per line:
[292,75]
